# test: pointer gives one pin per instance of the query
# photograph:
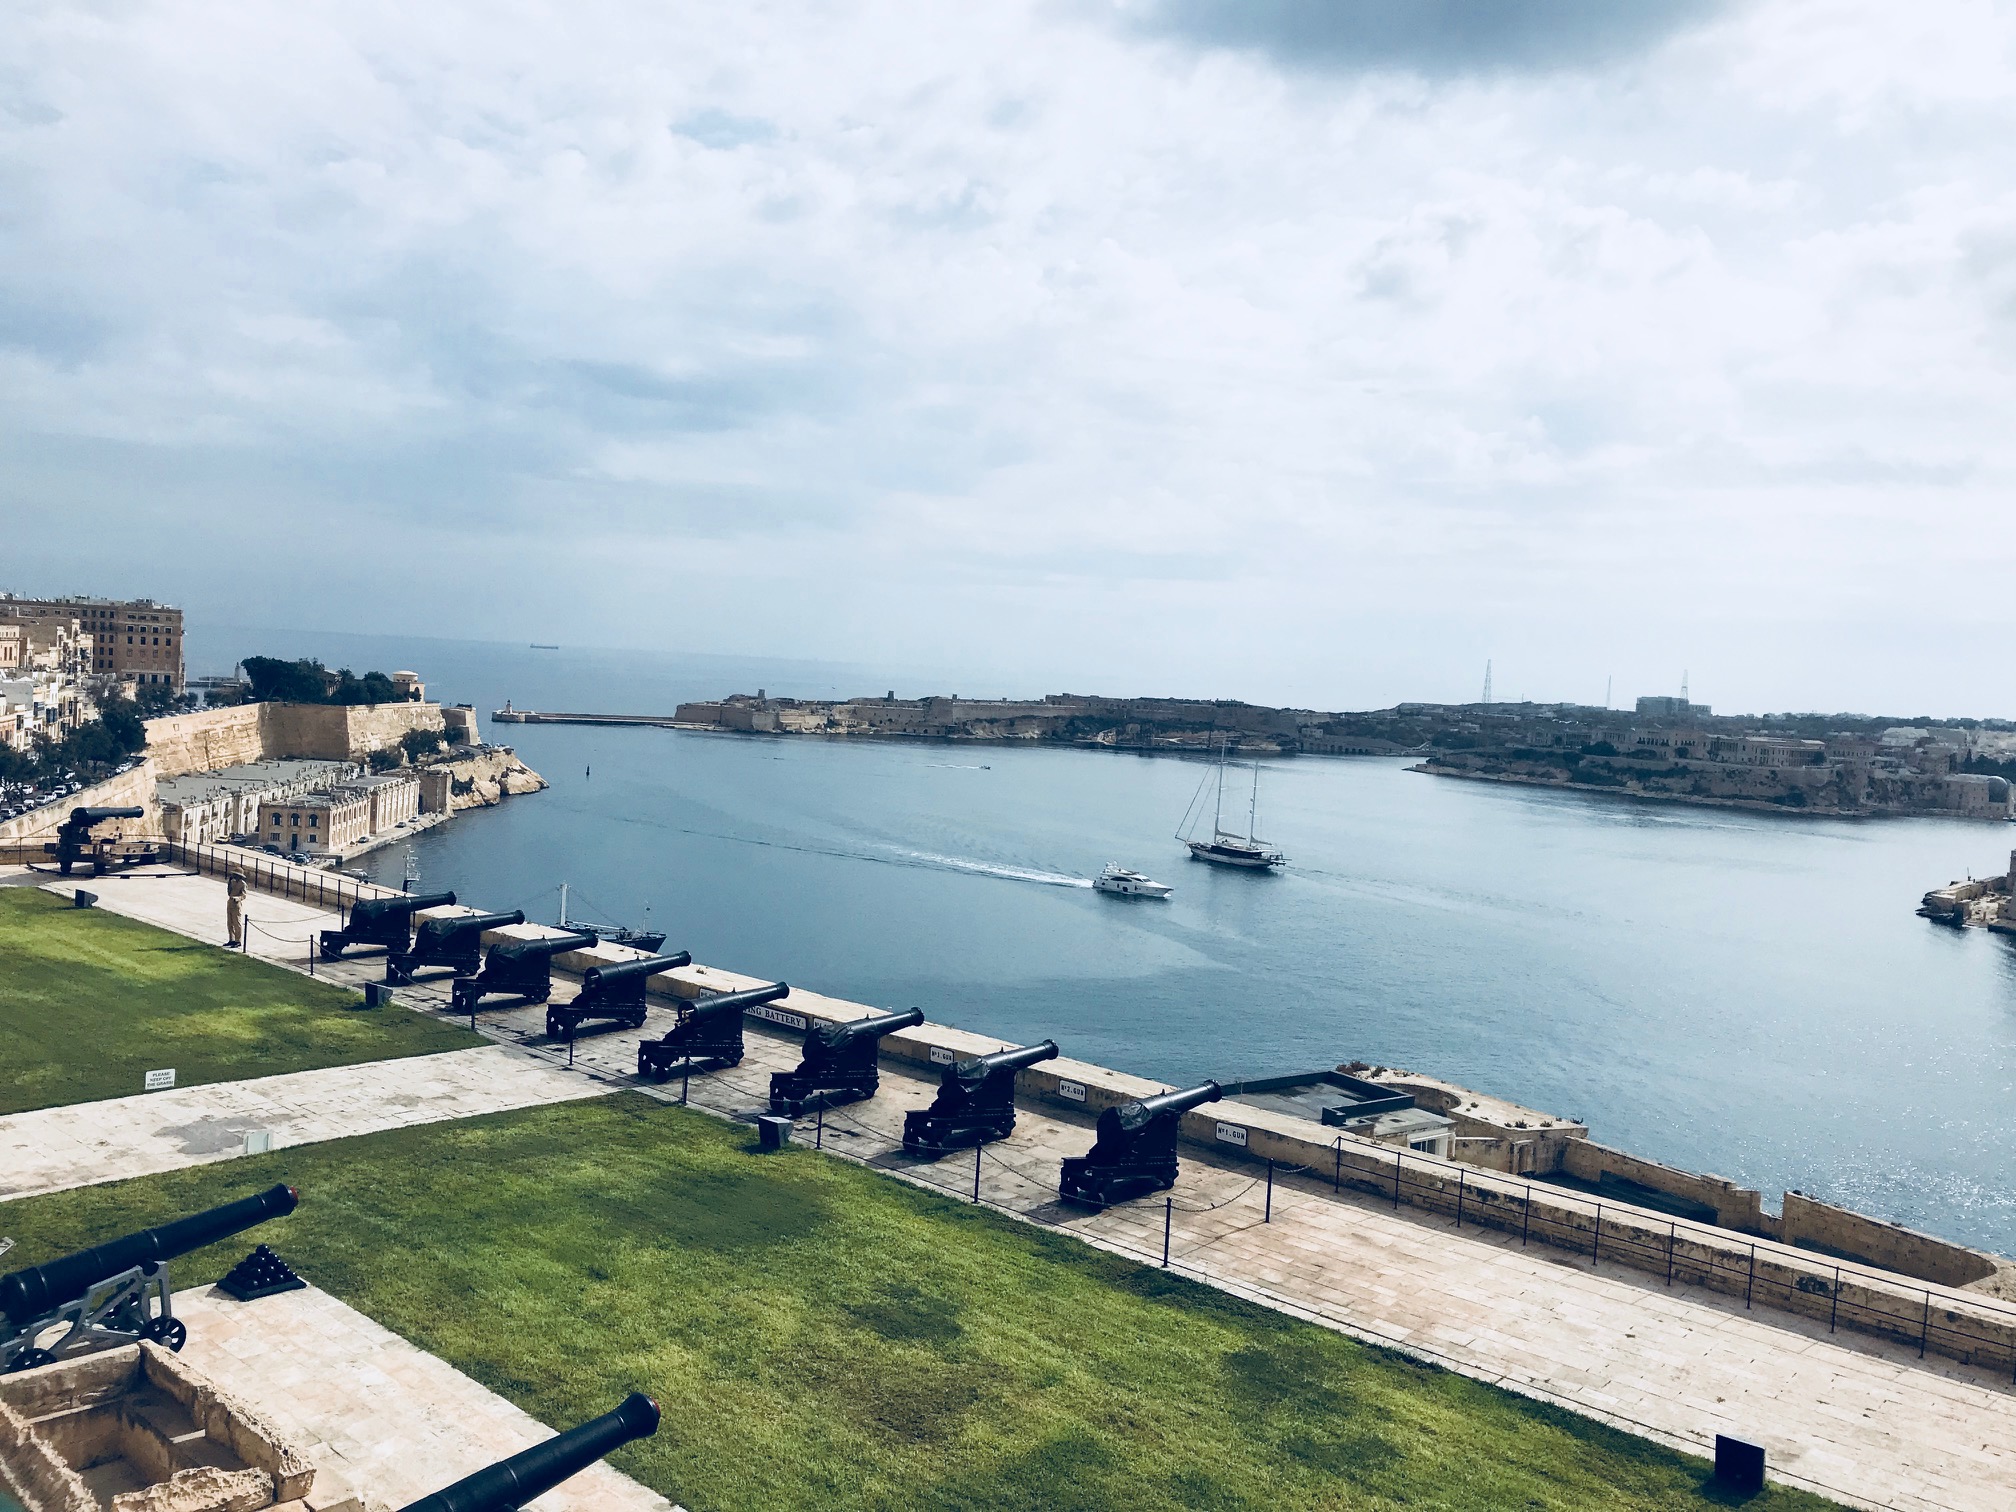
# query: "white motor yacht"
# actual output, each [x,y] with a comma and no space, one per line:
[1116,879]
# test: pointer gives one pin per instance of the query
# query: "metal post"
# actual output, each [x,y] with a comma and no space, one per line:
[1596,1249]
[1397,1158]
[1168,1217]
[1526,1218]
[1268,1216]
[570,1047]
[819,1136]
[1751,1285]
[976,1169]
[1672,1232]
[1459,1199]
[685,1081]
[1337,1177]
[1925,1333]
[1834,1307]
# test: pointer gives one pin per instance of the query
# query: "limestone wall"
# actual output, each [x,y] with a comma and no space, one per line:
[203,742]
[123,791]
[1812,1224]
[1735,1207]
[485,776]
[214,738]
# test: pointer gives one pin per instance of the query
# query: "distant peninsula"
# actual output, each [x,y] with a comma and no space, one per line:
[1664,748]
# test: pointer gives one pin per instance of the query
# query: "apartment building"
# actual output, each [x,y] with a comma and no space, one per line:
[135,638]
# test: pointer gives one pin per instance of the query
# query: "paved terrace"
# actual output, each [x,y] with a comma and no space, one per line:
[1859,1418]
[374,1415]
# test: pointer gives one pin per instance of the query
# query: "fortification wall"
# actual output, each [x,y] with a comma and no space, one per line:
[203,742]
[1812,1224]
[214,738]
[123,791]
[1735,1207]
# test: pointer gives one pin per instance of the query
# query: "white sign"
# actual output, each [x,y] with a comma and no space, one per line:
[776,1016]
[1231,1134]
[940,1056]
[160,1081]
[1073,1090]
[258,1141]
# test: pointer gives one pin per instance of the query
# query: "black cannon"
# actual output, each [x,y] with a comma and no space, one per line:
[381,921]
[517,968]
[456,943]
[116,1292]
[841,1063]
[511,1483]
[74,842]
[1135,1152]
[613,992]
[976,1102]
[707,1036]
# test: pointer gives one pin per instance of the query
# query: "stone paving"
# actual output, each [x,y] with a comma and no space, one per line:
[376,1417]
[48,1149]
[1860,1419]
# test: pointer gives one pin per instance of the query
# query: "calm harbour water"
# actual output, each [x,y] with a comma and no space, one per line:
[1728,992]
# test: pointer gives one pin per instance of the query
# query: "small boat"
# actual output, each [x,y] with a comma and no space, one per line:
[1119,881]
[1228,847]
[652,940]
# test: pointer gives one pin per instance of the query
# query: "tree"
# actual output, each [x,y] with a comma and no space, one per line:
[420,744]
[276,681]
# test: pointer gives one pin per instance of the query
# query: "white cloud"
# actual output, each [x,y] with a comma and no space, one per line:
[991,329]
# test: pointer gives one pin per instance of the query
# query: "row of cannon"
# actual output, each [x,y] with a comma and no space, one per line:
[119,1293]
[1134,1152]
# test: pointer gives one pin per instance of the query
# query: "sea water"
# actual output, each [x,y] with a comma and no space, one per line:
[1741,993]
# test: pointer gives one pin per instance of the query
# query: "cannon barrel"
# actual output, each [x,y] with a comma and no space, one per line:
[442,927]
[839,1036]
[623,971]
[532,950]
[980,1066]
[405,903]
[748,997]
[37,1290]
[95,815]
[1130,1116]
[511,1483]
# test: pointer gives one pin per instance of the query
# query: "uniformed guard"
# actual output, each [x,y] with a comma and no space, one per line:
[234,909]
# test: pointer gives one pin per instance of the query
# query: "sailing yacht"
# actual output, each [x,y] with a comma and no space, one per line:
[1228,847]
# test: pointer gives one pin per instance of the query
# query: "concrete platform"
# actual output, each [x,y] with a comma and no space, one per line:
[385,1420]
[49,1149]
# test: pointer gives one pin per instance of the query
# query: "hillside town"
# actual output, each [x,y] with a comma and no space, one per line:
[1664,747]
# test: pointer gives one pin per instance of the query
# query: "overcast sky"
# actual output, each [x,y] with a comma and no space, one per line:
[1302,350]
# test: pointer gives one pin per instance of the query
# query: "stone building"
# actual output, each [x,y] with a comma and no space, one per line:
[336,822]
[208,808]
[134,638]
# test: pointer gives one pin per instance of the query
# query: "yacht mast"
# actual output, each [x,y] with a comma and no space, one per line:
[1218,814]
[563,905]
[1253,808]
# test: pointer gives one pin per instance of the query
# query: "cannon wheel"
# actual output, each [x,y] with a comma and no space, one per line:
[29,1359]
[635,1020]
[171,1332]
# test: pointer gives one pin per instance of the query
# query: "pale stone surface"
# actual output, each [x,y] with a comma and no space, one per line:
[53,1148]
[369,1410]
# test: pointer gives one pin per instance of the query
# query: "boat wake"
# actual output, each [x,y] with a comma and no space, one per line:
[991,869]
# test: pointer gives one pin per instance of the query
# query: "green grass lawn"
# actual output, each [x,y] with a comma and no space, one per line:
[90,1001]
[821,1336]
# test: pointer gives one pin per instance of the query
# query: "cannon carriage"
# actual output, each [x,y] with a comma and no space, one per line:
[384,922]
[706,1036]
[841,1063]
[615,992]
[975,1103]
[117,1292]
[517,968]
[75,844]
[1134,1152]
[453,943]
